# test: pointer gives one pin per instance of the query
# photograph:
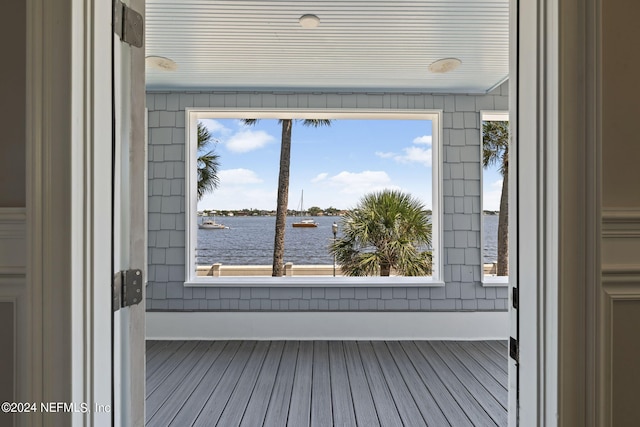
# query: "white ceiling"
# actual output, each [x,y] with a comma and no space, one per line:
[359,46]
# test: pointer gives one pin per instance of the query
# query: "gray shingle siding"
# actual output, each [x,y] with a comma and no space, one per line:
[461,209]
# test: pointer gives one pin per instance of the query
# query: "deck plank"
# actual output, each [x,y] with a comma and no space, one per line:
[321,409]
[382,398]
[492,407]
[151,345]
[407,408]
[300,409]
[156,362]
[495,369]
[278,410]
[213,408]
[399,368]
[500,350]
[465,398]
[156,397]
[499,361]
[341,400]
[497,390]
[236,407]
[256,410]
[199,396]
[170,365]
[326,383]
[363,404]
[448,396]
[161,406]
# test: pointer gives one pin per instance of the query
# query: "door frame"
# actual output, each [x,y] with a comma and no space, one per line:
[68,215]
[130,248]
[69,147]
[559,115]
[67,138]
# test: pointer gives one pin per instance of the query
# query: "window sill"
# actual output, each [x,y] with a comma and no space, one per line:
[495,281]
[322,282]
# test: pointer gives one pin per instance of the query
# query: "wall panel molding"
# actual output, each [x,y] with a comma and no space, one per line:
[13,241]
[620,241]
[619,288]
[13,291]
[621,222]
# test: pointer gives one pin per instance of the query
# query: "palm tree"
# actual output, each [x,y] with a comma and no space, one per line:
[283,188]
[388,230]
[495,150]
[207,163]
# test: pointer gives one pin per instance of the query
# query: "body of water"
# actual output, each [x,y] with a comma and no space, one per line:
[249,241]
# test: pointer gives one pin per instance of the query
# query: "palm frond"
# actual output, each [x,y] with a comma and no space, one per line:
[495,144]
[386,228]
[208,163]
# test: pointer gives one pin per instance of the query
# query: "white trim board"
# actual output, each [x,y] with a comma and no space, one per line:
[193,114]
[327,325]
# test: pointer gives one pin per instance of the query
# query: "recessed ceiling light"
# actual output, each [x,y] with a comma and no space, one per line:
[161,63]
[309,21]
[445,65]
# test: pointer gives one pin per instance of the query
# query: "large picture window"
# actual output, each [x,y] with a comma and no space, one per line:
[337,162]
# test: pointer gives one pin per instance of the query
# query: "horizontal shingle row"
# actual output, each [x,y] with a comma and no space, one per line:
[324,305]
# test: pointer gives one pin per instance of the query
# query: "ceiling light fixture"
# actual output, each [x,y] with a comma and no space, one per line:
[444,65]
[161,63]
[309,21]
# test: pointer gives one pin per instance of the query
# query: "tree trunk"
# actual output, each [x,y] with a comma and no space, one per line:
[503,228]
[283,199]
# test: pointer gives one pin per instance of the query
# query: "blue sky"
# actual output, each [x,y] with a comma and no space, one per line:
[335,165]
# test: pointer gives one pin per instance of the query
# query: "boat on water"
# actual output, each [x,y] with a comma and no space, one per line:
[211,225]
[307,222]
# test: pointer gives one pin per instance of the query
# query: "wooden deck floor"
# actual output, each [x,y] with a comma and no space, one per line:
[326,383]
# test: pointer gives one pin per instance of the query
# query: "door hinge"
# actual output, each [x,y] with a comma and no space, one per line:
[513,348]
[127,288]
[515,300]
[128,24]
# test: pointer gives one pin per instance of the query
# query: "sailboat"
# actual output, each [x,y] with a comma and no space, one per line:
[304,223]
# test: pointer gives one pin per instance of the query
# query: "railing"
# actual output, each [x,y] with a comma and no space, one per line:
[219,270]
[290,269]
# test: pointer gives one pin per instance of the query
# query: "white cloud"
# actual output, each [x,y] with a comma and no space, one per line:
[215,126]
[424,139]
[238,177]
[416,155]
[361,182]
[320,177]
[248,140]
[411,155]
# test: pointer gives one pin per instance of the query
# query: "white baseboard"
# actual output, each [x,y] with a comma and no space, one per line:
[327,325]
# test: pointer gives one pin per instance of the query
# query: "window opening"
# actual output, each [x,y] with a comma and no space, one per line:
[333,167]
[495,170]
